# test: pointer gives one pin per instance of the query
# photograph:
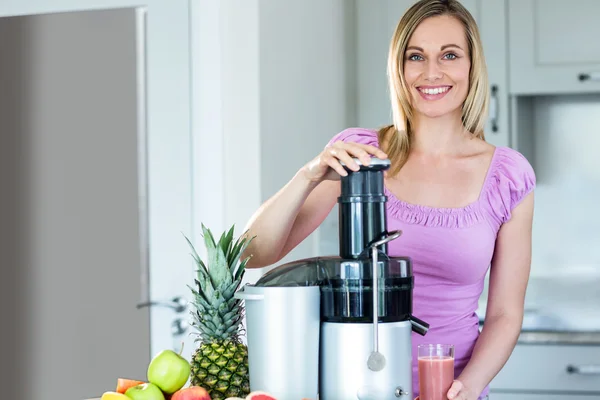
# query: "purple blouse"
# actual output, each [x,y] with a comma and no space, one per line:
[452,248]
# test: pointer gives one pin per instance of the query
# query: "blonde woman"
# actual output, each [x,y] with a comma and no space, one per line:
[464,205]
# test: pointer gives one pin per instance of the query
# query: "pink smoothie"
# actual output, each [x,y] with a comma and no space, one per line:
[436,375]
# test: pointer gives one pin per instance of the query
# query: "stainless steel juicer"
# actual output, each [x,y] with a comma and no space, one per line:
[338,327]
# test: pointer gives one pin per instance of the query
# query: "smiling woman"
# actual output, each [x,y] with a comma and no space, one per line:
[464,206]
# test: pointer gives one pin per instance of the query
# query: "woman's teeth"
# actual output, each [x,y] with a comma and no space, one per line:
[435,90]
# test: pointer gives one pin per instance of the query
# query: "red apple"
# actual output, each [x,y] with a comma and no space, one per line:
[191,393]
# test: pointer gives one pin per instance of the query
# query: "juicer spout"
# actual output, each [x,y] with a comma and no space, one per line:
[419,326]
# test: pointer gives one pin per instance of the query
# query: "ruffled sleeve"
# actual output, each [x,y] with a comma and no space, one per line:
[356,135]
[511,180]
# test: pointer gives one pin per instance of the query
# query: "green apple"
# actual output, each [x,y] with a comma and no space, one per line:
[169,371]
[145,391]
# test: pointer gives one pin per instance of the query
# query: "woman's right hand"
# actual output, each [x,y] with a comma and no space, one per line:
[327,165]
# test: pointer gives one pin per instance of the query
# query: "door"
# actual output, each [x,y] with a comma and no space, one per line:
[552,46]
[96,131]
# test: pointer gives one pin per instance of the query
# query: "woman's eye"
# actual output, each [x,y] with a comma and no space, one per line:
[450,56]
[415,57]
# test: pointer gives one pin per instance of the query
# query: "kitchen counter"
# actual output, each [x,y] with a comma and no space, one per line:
[560,337]
[561,309]
[548,331]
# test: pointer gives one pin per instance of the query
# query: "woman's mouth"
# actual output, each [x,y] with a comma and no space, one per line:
[433,92]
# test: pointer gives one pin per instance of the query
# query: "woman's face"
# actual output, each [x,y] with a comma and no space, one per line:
[436,66]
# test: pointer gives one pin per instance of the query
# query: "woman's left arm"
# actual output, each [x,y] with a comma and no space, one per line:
[509,275]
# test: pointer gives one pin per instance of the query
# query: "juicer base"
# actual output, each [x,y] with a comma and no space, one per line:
[345,349]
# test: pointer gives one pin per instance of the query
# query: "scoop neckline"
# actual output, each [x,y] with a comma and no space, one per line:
[470,207]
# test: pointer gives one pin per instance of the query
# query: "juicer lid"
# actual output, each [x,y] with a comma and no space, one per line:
[376,164]
[322,271]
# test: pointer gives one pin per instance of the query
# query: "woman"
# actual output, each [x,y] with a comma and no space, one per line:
[464,205]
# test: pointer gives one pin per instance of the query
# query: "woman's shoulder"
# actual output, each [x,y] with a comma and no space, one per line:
[357,135]
[514,166]
[511,179]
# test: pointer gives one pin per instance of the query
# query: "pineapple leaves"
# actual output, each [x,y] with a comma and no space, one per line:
[231,315]
[226,242]
[218,314]
[224,265]
[206,287]
[239,247]
[230,290]
[240,272]
[230,330]
[217,301]
[218,269]
[200,303]
[202,271]
[194,253]
[205,326]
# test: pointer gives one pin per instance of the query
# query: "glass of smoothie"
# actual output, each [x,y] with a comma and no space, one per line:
[436,370]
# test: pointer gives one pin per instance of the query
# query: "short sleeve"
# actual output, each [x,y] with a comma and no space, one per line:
[356,135]
[513,178]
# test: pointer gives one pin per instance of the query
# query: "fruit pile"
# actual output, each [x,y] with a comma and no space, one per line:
[167,375]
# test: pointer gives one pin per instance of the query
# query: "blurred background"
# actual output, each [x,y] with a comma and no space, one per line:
[124,124]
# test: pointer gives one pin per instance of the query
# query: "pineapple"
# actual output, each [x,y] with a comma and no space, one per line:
[220,363]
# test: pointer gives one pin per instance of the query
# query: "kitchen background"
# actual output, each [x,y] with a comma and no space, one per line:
[269,83]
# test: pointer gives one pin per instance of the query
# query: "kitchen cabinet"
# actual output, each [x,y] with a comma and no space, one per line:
[553,46]
[376,22]
[534,370]
[490,17]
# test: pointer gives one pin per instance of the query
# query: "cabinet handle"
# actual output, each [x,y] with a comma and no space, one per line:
[494,108]
[584,369]
[589,76]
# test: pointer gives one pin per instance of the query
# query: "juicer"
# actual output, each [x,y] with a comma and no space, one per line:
[338,327]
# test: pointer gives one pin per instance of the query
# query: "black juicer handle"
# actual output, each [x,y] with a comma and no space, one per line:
[419,326]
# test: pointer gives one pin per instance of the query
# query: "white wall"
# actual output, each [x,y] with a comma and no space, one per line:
[307,91]
[241,88]
[567,165]
[286,73]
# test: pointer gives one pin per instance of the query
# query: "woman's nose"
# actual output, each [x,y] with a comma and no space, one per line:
[433,71]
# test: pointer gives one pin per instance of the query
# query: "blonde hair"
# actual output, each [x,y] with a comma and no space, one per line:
[395,139]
